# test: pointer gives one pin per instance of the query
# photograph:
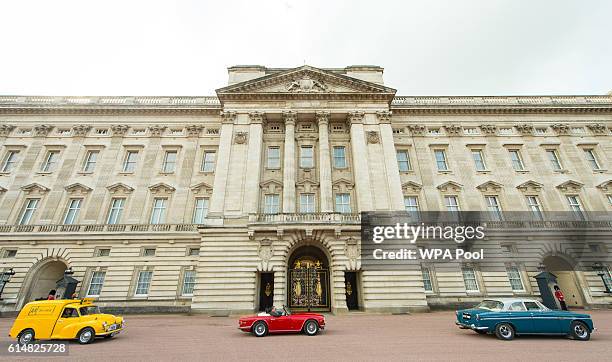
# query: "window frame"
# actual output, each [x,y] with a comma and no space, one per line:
[49,164]
[303,158]
[441,151]
[74,210]
[119,210]
[480,153]
[465,268]
[554,159]
[87,162]
[91,282]
[496,208]
[158,213]
[184,282]
[208,166]
[204,210]
[267,206]
[337,158]
[519,159]
[593,161]
[166,163]
[7,161]
[273,162]
[30,211]
[138,282]
[406,161]
[538,205]
[127,161]
[342,207]
[311,207]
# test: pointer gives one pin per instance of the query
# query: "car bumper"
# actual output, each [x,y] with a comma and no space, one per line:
[471,326]
[116,331]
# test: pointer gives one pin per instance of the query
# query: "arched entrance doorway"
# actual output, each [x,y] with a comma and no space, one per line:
[43,277]
[308,282]
[566,279]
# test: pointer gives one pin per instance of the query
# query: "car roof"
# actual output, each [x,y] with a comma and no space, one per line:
[62,302]
[512,300]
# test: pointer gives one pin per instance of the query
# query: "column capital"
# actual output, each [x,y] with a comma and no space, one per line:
[289,117]
[355,117]
[384,116]
[322,117]
[228,117]
[257,117]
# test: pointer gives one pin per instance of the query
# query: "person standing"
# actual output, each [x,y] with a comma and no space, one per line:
[560,297]
[51,295]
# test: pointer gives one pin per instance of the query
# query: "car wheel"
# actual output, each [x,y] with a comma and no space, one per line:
[25,337]
[311,328]
[86,335]
[260,329]
[504,331]
[580,331]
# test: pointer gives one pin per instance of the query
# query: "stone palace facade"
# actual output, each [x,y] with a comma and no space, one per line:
[232,203]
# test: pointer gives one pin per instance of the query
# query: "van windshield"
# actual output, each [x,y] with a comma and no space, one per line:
[92,309]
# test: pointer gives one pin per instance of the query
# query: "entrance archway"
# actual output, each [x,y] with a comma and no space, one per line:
[566,279]
[308,282]
[42,278]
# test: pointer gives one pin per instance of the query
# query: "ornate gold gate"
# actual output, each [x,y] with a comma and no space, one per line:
[309,285]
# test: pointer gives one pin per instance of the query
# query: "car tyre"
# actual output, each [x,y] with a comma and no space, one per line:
[25,337]
[311,327]
[260,329]
[579,331]
[86,335]
[504,331]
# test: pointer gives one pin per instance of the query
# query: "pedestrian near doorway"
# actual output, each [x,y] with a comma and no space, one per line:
[560,297]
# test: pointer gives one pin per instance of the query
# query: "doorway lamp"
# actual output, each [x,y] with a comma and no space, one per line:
[5,277]
[599,269]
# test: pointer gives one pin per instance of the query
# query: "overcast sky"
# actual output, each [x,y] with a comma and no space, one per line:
[124,47]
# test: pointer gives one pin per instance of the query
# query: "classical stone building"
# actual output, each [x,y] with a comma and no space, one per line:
[252,197]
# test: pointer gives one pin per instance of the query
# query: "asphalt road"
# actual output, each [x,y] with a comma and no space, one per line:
[424,336]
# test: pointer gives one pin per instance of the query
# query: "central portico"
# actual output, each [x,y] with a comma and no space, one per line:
[302,152]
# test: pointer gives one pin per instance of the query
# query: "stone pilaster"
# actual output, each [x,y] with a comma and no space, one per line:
[217,201]
[289,163]
[325,181]
[394,182]
[362,175]
[253,162]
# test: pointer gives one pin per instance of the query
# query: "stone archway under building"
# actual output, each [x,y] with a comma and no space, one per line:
[308,282]
[567,279]
[42,277]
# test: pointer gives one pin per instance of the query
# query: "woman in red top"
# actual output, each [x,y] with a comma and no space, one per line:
[51,295]
[560,297]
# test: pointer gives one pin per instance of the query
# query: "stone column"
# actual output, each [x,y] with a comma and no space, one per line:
[289,163]
[325,176]
[363,191]
[253,162]
[217,201]
[394,182]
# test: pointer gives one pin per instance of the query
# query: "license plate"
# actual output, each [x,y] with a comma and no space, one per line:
[113,327]
[466,316]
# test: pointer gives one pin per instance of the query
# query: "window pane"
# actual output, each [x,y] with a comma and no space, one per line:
[28,211]
[478,160]
[200,211]
[554,159]
[189,282]
[116,210]
[494,207]
[411,203]
[170,161]
[575,206]
[10,161]
[469,279]
[534,205]
[50,161]
[208,161]
[403,161]
[517,162]
[427,285]
[273,157]
[129,164]
[452,204]
[90,161]
[158,214]
[144,282]
[591,159]
[514,276]
[306,157]
[307,203]
[441,160]
[339,157]
[96,283]
[74,206]
[343,203]
[271,204]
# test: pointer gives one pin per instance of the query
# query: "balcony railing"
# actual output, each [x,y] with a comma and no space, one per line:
[98,228]
[315,217]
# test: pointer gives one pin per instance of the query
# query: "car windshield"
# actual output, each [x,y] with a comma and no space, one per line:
[493,305]
[92,309]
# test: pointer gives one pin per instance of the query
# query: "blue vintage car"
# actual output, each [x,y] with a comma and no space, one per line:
[509,317]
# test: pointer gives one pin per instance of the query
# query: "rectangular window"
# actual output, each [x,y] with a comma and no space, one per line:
[208,161]
[592,159]
[274,160]
[200,210]
[494,207]
[10,253]
[516,282]
[148,252]
[469,279]
[188,282]
[103,252]
[427,285]
[10,161]
[553,157]
[575,206]
[339,157]
[271,204]
[479,161]
[143,283]
[28,211]
[411,203]
[158,214]
[116,210]
[72,214]
[96,283]
[50,161]
[307,203]
[90,161]
[452,203]
[343,203]
[517,160]
[536,208]
[403,161]
[441,160]
[194,251]
[306,157]
[129,164]
[169,162]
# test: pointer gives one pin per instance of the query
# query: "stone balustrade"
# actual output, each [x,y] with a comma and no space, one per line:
[98,228]
[315,217]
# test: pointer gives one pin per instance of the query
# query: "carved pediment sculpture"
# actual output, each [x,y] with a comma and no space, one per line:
[119,130]
[42,130]
[490,186]
[202,188]
[450,186]
[34,189]
[561,129]
[6,129]
[156,130]
[453,129]
[77,189]
[417,129]
[194,130]
[80,130]
[307,84]
[271,187]
[241,137]
[598,128]
[570,186]
[525,129]
[342,185]
[605,186]
[530,187]
[411,187]
[161,188]
[488,129]
[120,188]
[373,137]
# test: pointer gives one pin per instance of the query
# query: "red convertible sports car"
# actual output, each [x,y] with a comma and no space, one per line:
[281,320]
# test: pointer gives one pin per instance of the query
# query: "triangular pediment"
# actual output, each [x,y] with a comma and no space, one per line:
[77,187]
[411,187]
[161,187]
[35,187]
[605,186]
[201,188]
[271,186]
[304,82]
[490,186]
[2,189]
[570,186]
[530,185]
[120,187]
[450,186]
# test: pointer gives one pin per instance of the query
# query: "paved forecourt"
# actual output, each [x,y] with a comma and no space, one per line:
[426,336]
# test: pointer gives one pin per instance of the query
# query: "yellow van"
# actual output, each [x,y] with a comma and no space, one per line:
[64,319]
